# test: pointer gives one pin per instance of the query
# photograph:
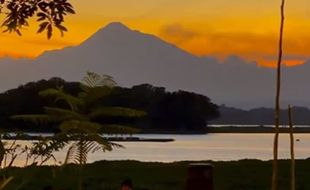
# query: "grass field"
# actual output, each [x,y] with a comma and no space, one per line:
[107,175]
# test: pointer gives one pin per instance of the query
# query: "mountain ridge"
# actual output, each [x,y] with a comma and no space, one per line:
[133,57]
[260,116]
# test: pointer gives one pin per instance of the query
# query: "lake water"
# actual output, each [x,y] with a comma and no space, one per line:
[216,147]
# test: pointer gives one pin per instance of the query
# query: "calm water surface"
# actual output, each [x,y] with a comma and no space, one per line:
[203,147]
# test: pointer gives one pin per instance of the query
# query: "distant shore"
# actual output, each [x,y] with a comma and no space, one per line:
[230,129]
[116,139]
[209,130]
[259,129]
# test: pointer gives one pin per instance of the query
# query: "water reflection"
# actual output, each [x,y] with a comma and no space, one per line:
[200,147]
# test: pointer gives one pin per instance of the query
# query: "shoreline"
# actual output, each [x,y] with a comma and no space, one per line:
[209,130]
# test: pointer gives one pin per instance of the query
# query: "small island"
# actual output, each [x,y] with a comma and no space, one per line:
[179,112]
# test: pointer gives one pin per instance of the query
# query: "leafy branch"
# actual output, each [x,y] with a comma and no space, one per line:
[49,14]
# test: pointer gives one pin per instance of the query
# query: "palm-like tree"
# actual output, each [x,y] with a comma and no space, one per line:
[76,120]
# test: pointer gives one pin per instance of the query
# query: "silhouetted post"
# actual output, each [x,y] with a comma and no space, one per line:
[199,177]
[274,180]
[293,177]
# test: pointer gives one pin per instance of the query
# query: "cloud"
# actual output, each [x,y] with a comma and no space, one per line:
[45,42]
[288,59]
[177,33]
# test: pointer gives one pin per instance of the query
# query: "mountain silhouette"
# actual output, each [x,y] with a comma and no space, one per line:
[133,57]
[260,116]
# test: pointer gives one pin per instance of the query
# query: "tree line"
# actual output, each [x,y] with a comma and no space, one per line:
[179,112]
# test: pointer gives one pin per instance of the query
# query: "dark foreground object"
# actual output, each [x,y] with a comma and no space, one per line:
[108,175]
[199,177]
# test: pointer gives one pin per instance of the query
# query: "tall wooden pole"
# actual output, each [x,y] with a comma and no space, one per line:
[274,183]
[293,178]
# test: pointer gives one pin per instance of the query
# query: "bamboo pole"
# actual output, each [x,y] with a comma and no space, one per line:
[274,182]
[293,177]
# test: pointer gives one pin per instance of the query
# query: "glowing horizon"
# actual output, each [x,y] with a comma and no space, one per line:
[246,28]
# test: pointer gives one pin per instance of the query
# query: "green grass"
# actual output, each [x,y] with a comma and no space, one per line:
[107,175]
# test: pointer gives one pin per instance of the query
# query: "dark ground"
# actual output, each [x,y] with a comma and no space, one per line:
[107,175]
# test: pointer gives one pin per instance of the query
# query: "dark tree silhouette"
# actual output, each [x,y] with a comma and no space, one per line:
[179,111]
[166,111]
[49,13]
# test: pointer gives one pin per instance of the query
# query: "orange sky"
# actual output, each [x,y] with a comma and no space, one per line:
[247,28]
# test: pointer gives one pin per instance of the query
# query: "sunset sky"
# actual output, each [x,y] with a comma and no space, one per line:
[247,28]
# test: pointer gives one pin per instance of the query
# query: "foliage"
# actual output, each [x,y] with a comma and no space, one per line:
[166,111]
[49,13]
[36,152]
[179,111]
[26,100]
[39,151]
[76,117]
